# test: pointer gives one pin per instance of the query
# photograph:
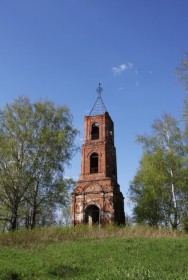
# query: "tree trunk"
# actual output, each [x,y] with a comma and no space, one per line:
[33,219]
[34,213]
[14,220]
[175,221]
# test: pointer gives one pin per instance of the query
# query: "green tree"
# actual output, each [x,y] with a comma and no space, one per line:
[36,142]
[145,190]
[159,188]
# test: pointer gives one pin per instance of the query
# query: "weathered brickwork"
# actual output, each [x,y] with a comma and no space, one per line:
[97,197]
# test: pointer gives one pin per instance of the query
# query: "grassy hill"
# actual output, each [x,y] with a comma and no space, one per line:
[98,253]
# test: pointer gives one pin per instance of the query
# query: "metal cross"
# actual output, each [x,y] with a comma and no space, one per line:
[99,90]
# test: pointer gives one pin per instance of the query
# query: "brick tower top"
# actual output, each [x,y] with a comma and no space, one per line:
[99,140]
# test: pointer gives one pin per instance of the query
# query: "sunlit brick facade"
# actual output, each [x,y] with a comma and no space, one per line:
[97,197]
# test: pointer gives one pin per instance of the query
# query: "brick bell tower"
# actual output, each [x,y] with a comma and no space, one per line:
[97,198]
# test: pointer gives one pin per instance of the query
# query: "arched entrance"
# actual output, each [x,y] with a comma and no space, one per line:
[92,215]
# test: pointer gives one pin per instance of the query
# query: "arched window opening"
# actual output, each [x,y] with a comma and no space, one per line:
[92,215]
[95,131]
[94,163]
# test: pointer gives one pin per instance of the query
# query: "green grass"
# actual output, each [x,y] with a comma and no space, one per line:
[94,254]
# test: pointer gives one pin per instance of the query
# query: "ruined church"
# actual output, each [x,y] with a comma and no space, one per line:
[97,198]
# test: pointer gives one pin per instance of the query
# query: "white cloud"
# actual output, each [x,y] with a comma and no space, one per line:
[121,68]
[129,65]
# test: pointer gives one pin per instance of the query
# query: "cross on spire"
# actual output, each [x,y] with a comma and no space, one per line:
[99,90]
[99,107]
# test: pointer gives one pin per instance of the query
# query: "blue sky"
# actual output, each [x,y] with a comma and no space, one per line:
[61,50]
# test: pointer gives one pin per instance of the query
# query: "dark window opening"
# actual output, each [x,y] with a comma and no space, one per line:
[94,163]
[92,215]
[95,131]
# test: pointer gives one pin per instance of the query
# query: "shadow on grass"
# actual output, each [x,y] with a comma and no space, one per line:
[64,271]
[60,271]
[11,276]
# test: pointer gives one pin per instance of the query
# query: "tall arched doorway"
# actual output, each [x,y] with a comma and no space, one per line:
[92,215]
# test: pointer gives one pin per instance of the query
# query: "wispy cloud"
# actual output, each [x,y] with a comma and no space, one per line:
[121,68]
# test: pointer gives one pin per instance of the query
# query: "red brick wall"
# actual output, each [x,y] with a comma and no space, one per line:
[100,189]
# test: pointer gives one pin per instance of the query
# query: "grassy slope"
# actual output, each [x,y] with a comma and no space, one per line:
[93,254]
